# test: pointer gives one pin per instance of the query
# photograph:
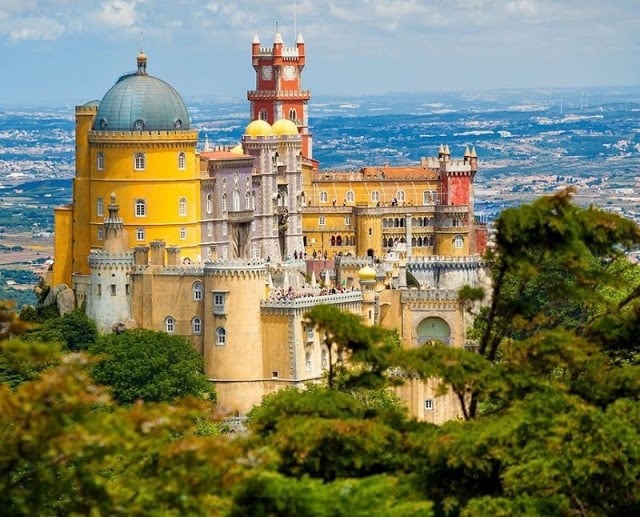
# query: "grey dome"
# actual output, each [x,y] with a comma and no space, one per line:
[139,102]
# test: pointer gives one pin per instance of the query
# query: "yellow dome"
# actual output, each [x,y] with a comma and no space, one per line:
[285,127]
[237,149]
[259,128]
[367,274]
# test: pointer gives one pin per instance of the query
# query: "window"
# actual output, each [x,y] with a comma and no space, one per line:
[321,220]
[293,114]
[170,325]
[100,234]
[221,336]
[224,202]
[209,203]
[400,196]
[307,362]
[183,233]
[218,303]
[100,207]
[224,228]
[196,325]
[141,208]
[182,161]
[197,291]
[236,201]
[347,220]
[182,207]
[139,161]
[263,114]
[428,404]
[112,289]
[100,161]
[323,197]
[375,196]
[209,229]
[247,201]
[350,196]
[140,234]
[324,359]
[99,290]
[428,197]
[458,242]
[310,333]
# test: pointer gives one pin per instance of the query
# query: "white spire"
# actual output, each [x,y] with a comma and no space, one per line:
[300,38]
[206,142]
[256,39]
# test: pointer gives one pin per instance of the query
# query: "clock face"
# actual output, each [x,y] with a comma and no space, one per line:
[267,72]
[289,72]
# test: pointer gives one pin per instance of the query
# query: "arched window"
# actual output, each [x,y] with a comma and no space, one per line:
[351,197]
[141,208]
[307,362]
[263,114]
[196,325]
[224,202]
[323,197]
[100,161]
[221,336]
[170,324]
[375,196]
[140,234]
[236,201]
[139,161]
[197,291]
[209,203]
[458,242]
[400,196]
[182,207]
[247,201]
[182,161]
[293,114]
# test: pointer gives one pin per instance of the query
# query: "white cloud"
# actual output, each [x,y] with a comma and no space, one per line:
[34,29]
[118,13]
[522,7]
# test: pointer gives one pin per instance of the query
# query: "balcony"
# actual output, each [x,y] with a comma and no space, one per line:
[240,216]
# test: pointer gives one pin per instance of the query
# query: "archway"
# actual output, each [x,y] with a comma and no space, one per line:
[433,329]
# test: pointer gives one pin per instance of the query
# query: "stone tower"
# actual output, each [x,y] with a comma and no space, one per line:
[108,295]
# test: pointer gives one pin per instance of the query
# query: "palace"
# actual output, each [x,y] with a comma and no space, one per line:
[230,247]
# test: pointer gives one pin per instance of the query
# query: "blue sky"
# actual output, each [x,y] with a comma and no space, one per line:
[71,51]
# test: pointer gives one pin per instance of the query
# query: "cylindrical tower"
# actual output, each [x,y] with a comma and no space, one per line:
[233,335]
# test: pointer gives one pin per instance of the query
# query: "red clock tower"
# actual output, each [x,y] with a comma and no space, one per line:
[278,92]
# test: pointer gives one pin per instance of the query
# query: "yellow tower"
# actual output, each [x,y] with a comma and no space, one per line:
[136,143]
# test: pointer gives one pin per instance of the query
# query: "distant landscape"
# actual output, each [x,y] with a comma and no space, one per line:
[529,142]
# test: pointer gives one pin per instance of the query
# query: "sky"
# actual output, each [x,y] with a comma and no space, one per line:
[55,52]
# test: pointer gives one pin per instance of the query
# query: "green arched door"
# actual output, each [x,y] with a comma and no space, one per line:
[433,329]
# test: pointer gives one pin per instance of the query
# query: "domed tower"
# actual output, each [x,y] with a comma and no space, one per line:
[367,278]
[278,181]
[233,353]
[136,142]
[108,295]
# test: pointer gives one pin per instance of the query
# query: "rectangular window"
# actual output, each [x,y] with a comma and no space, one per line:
[139,161]
[99,290]
[347,220]
[112,289]
[323,197]
[275,375]
[100,161]
[224,228]
[140,234]
[321,220]
[101,234]
[218,303]
[100,207]
[183,233]
[209,229]
[310,333]
[428,404]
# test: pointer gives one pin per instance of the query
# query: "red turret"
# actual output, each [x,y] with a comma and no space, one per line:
[278,92]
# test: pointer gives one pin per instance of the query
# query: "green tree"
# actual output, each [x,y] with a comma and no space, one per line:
[149,365]
[75,330]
